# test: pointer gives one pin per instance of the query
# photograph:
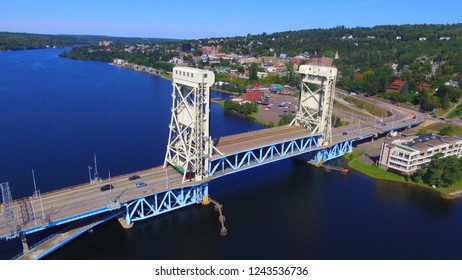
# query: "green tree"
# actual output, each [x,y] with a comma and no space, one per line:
[253,72]
[447,131]
[443,172]
[422,131]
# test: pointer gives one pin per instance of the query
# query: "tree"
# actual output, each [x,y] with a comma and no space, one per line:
[443,172]
[422,131]
[253,75]
[447,131]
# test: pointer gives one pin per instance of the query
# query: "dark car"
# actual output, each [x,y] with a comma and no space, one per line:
[190,175]
[134,177]
[345,133]
[106,187]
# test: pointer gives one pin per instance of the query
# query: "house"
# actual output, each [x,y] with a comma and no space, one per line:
[452,83]
[261,75]
[396,85]
[424,86]
[357,75]
[406,156]
[252,96]
[321,61]
[104,43]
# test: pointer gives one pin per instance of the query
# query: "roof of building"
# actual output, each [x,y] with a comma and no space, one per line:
[426,141]
[396,84]
[420,146]
[435,142]
[253,96]
[450,139]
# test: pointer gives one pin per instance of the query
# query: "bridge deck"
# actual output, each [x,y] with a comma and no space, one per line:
[75,200]
[260,138]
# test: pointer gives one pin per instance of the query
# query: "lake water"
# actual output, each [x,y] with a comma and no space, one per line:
[56,113]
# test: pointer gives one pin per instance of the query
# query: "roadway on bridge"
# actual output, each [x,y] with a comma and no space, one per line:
[83,198]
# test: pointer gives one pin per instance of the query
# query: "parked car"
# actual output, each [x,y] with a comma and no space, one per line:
[134,177]
[345,133]
[141,184]
[190,175]
[106,187]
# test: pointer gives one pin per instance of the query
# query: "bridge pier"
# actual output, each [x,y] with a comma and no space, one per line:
[25,246]
[123,222]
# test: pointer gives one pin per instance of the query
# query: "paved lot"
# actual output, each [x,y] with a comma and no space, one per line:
[273,114]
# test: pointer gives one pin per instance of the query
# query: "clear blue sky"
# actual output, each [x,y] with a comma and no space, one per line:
[205,19]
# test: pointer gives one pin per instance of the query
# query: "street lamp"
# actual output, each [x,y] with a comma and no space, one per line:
[89,173]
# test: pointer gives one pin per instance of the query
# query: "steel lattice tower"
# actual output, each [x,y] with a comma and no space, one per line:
[7,210]
[317,85]
[189,143]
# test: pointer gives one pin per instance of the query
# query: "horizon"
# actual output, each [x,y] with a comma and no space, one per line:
[174,20]
[179,39]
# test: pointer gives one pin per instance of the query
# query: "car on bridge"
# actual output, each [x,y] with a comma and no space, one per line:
[106,187]
[134,177]
[141,184]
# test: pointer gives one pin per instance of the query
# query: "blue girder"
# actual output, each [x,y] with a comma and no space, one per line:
[159,203]
[245,159]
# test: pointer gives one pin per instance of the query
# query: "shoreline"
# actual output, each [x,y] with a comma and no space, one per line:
[162,74]
[450,196]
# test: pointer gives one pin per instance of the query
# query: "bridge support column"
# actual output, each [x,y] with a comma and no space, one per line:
[25,246]
[124,223]
[205,194]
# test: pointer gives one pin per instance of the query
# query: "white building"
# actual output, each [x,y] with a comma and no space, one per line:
[407,157]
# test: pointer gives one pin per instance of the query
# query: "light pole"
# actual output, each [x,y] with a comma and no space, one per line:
[35,185]
[89,173]
[166,178]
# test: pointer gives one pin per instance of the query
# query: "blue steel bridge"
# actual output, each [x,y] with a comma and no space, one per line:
[193,159]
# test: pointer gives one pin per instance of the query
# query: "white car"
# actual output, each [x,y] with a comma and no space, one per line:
[141,184]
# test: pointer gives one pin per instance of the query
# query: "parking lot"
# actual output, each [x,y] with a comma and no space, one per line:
[273,113]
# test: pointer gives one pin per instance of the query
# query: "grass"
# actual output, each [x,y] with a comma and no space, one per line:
[378,173]
[457,112]
[436,127]
[371,108]
[371,170]
[346,108]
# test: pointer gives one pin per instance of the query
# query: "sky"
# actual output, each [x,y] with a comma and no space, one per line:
[210,19]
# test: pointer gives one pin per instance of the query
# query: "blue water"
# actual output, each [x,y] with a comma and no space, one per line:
[56,113]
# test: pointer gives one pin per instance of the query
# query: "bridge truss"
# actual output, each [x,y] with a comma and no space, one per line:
[316,100]
[189,142]
[163,202]
[227,164]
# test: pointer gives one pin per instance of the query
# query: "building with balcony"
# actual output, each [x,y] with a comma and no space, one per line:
[406,156]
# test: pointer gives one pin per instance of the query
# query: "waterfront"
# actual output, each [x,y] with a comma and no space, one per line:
[62,111]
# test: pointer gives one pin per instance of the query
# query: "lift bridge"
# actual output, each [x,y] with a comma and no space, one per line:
[192,158]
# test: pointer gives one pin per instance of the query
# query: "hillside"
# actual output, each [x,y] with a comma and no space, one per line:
[20,41]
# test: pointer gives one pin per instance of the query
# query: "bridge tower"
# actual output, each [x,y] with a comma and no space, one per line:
[316,100]
[7,211]
[189,142]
